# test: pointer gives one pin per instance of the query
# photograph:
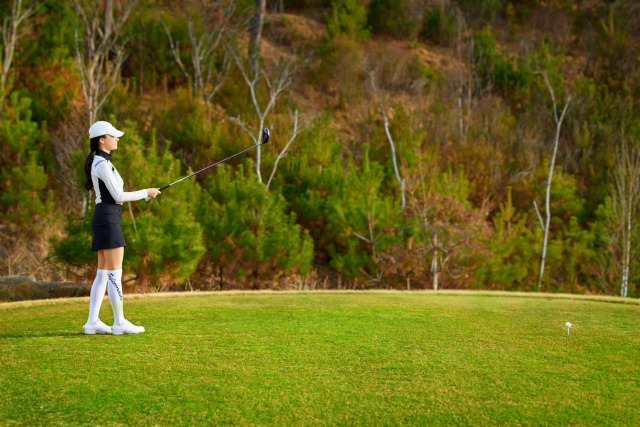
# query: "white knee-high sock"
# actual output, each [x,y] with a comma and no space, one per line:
[115,295]
[97,294]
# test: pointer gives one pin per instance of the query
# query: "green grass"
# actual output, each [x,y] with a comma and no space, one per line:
[324,358]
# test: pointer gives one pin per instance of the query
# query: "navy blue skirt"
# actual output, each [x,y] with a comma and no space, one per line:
[107,233]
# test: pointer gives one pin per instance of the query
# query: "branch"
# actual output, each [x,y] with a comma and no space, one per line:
[250,83]
[93,62]
[372,73]
[175,49]
[284,150]
[220,77]
[539,216]
[553,96]
[123,16]
[10,37]
[80,67]
[284,80]
[362,237]
[243,126]
[564,110]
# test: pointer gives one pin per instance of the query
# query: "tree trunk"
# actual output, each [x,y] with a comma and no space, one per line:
[626,257]
[84,204]
[108,26]
[108,18]
[256,33]
[10,37]
[372,74]
[547,223]
[434,262]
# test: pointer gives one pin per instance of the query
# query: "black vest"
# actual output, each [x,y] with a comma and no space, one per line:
[105,195]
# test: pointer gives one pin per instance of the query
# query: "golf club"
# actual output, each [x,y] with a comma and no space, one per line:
[265,139]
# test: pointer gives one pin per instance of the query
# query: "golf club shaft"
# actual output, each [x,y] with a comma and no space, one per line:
[237,154]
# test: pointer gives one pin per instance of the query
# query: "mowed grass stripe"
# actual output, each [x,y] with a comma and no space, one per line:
[322,359]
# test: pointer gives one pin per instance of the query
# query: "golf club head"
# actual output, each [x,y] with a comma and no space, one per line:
[265,135]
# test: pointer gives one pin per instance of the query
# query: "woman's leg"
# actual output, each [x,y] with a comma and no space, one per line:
[113,260]
[97,295]
[114,264]
[102,261]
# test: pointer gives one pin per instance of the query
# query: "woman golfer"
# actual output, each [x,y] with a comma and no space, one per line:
[108,240]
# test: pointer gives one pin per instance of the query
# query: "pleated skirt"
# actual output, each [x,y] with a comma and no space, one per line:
[107,232]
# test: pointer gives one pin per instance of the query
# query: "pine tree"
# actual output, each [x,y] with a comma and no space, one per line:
[166,241]
[24,198]
[248,232]
[362,220]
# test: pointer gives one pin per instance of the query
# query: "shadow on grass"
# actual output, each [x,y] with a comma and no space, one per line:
[42,335]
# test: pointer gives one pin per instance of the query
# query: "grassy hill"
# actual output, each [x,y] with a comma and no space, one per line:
[324,358]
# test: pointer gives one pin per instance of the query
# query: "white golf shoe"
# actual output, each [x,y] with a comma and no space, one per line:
[126,328]
[97,328]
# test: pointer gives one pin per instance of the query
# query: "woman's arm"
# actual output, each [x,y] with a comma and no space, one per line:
[105,173]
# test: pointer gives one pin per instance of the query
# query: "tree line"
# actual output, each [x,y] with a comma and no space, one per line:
[458,144]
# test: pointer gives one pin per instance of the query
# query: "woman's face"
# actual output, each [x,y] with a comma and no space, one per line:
[108,143]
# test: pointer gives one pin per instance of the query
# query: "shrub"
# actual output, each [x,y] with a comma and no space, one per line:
[362,221]
[480,11]
[24,198]
[506,72]
[442,223]
[248,234]
[393,18]
[348,17]
[197,138]
[168,243]
[512,251]
[309,176]
[48,72]
[437,26]
[73,251]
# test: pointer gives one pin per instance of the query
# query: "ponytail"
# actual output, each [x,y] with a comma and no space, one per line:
[94,146]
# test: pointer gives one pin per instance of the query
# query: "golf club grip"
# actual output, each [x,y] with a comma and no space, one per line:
[166,186]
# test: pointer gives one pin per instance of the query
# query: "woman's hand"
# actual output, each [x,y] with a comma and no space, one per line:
[152,192]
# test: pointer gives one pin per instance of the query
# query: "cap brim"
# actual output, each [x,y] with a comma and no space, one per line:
[116,133]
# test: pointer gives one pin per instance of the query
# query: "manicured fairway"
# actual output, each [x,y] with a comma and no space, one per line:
[324,358]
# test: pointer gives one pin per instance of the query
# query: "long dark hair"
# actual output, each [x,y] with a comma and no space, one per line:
[94,146]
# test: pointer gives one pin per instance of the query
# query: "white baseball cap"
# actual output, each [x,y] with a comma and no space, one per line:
[104,128]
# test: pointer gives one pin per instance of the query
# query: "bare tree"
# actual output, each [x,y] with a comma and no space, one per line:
[294,134]
[276,86]
[10,36]
[545,224]
[373,240]
[434,261]
[462,52]
[205,46]
[256,33]
[401,182]
[430,233]
[620,228]
[100,39]
[67,139]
